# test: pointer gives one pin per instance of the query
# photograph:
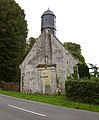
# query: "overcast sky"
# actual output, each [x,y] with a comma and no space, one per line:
[77,21]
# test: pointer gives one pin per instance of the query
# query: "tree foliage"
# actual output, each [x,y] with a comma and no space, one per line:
[75,49]
[83,71]
[13,33]
[95,70]
[28,46]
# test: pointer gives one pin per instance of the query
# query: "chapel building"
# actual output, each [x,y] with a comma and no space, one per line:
[48,64]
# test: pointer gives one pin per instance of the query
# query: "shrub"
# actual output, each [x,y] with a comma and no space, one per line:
[86,91]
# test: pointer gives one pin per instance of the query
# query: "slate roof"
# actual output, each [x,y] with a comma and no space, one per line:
[47,12]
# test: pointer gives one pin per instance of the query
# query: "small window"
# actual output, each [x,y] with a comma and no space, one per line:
[46,59]
[66,53]
[45,19]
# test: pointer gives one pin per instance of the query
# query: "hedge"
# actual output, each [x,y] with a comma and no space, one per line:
[86,91]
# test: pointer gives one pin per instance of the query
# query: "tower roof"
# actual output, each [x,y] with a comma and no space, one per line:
[48,20]
[47,12]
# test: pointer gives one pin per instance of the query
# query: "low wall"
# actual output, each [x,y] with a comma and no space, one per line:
[10,86]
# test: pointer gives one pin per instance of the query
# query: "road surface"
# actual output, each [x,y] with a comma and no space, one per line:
[18,109]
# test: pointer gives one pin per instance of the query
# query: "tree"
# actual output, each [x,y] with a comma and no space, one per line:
[13,33]
[83,71]
[28,46]
[75,49]
[94,69]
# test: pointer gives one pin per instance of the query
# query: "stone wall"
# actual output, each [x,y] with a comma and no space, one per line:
[47,50]
[10,86]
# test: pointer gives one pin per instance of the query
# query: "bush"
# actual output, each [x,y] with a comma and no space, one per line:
[86,91]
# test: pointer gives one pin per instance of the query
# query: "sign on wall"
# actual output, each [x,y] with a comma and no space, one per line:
[46,76]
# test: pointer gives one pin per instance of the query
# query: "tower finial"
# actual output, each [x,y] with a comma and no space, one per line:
[48,8]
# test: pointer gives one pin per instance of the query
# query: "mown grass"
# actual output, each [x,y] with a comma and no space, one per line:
[53,99]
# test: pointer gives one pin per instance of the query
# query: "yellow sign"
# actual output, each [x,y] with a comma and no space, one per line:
[46,76]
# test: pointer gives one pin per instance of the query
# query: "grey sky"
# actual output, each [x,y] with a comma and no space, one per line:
[76,21]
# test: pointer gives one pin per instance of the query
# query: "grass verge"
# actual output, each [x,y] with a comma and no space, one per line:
[53,99]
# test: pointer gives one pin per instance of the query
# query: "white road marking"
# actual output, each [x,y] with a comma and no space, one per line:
[27,110]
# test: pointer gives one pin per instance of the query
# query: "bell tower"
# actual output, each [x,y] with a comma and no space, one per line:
[48,20]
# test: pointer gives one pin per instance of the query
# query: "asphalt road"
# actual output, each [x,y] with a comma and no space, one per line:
[18,109]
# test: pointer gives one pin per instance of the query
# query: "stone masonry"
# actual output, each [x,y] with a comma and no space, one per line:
[47,66]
